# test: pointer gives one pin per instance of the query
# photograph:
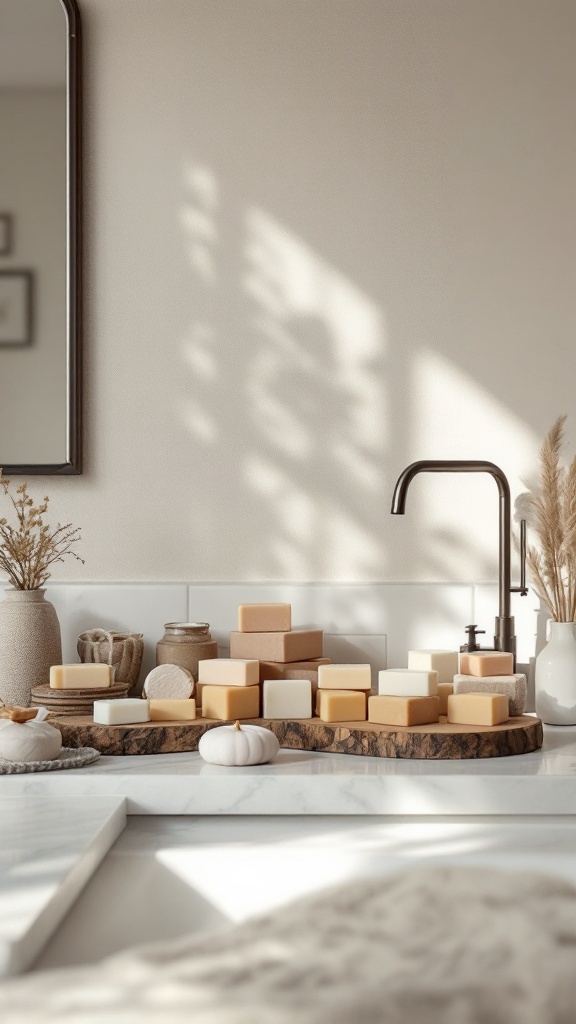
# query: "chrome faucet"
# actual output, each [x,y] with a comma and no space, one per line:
[504,639]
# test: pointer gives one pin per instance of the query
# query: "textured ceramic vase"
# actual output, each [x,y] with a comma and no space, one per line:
[29,644]
[556,676]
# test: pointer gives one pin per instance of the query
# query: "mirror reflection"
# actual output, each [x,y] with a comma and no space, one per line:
[36,326]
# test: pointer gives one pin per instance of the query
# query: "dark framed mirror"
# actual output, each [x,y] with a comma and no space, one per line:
[40,237]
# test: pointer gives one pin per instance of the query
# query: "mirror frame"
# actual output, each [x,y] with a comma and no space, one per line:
[73,453]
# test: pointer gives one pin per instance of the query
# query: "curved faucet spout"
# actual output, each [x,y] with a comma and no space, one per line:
[504,639]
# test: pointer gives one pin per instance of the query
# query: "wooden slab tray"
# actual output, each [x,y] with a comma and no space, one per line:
[432,742]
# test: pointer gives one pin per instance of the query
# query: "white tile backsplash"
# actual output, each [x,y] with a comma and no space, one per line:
[377,622]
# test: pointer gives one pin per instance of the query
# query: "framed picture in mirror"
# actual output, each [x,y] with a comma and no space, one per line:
[15,307]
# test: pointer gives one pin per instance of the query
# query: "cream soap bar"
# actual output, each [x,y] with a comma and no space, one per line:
[80,677]
[341,705]
[514,687]
[172,710]
[403,710]
[229,672]
[226,703]
[486,663]
[444,691]
[445,663]
[264,618]
[344,677]
[170,682]
[287,698]
[407,682]
[477,709]
[297,645]
[121,712]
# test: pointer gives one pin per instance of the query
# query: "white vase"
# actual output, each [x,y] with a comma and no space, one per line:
[29,644]
[556,676]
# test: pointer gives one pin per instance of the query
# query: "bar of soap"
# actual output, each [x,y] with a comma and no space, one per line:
[486,663]
[514,687]
[444,691]
[229,671]
[81,677]
[226,703]
[296,645]
[264,618]
[172,710]
[341,705]
[121,712]
[477,709]
[344,677]
[285,670]
[387,710]
[445,663]
[287,698]
[170,682]
[407,682]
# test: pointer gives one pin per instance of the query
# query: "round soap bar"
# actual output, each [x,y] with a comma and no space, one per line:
[29,741]
[169,681]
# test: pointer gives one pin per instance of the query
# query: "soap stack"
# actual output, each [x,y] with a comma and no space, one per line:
[74,689]
[168,696]
[488,679]
[416,695]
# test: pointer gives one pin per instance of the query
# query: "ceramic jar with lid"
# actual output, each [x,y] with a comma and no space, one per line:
[185,644]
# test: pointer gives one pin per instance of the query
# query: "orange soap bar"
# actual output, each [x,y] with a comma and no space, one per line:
[444,691]
[486,663]
[403,710]
[287,670]
[296,645]
[172,710]
[227,703]
[264,618]
[477,708]
[341,705]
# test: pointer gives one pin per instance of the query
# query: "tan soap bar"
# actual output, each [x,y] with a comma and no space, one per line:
[444,691]
[169,682]
[227,703]
[264,618]
[477,708]
[172,710]
[486,663]
[297,645]
[341,705]
[287,670]
[403,710]
[229,671]
[80,677]
[514,687]
[344,677]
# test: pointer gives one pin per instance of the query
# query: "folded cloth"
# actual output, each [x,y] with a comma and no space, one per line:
[426,946]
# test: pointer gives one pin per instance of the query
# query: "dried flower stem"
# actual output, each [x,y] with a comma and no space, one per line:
[28,550]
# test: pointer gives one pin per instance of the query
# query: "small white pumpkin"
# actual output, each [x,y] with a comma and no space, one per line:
[238,745]
[32,740]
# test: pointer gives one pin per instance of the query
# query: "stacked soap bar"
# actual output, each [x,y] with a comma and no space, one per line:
[265,633]
[492,672]
[406,696]
[445,663]
[342,692]
[81,677]
[228,688]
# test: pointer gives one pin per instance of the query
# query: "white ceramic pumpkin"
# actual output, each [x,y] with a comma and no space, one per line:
[29,741]
[238,745]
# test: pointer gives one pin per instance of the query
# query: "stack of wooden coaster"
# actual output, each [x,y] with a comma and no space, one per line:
[75,702]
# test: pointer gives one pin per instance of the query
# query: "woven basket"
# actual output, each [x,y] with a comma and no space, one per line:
[121,650]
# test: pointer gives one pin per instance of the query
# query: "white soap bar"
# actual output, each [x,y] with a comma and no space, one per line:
[287,698]
[229,671]
[169,681]
[407,682]
[81,677]
[445,663]
[344,677]
[121,712]
[514,687]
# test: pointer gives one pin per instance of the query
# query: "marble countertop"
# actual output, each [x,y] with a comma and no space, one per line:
[303,783]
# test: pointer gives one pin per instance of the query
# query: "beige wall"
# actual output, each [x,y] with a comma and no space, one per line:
[322,240]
